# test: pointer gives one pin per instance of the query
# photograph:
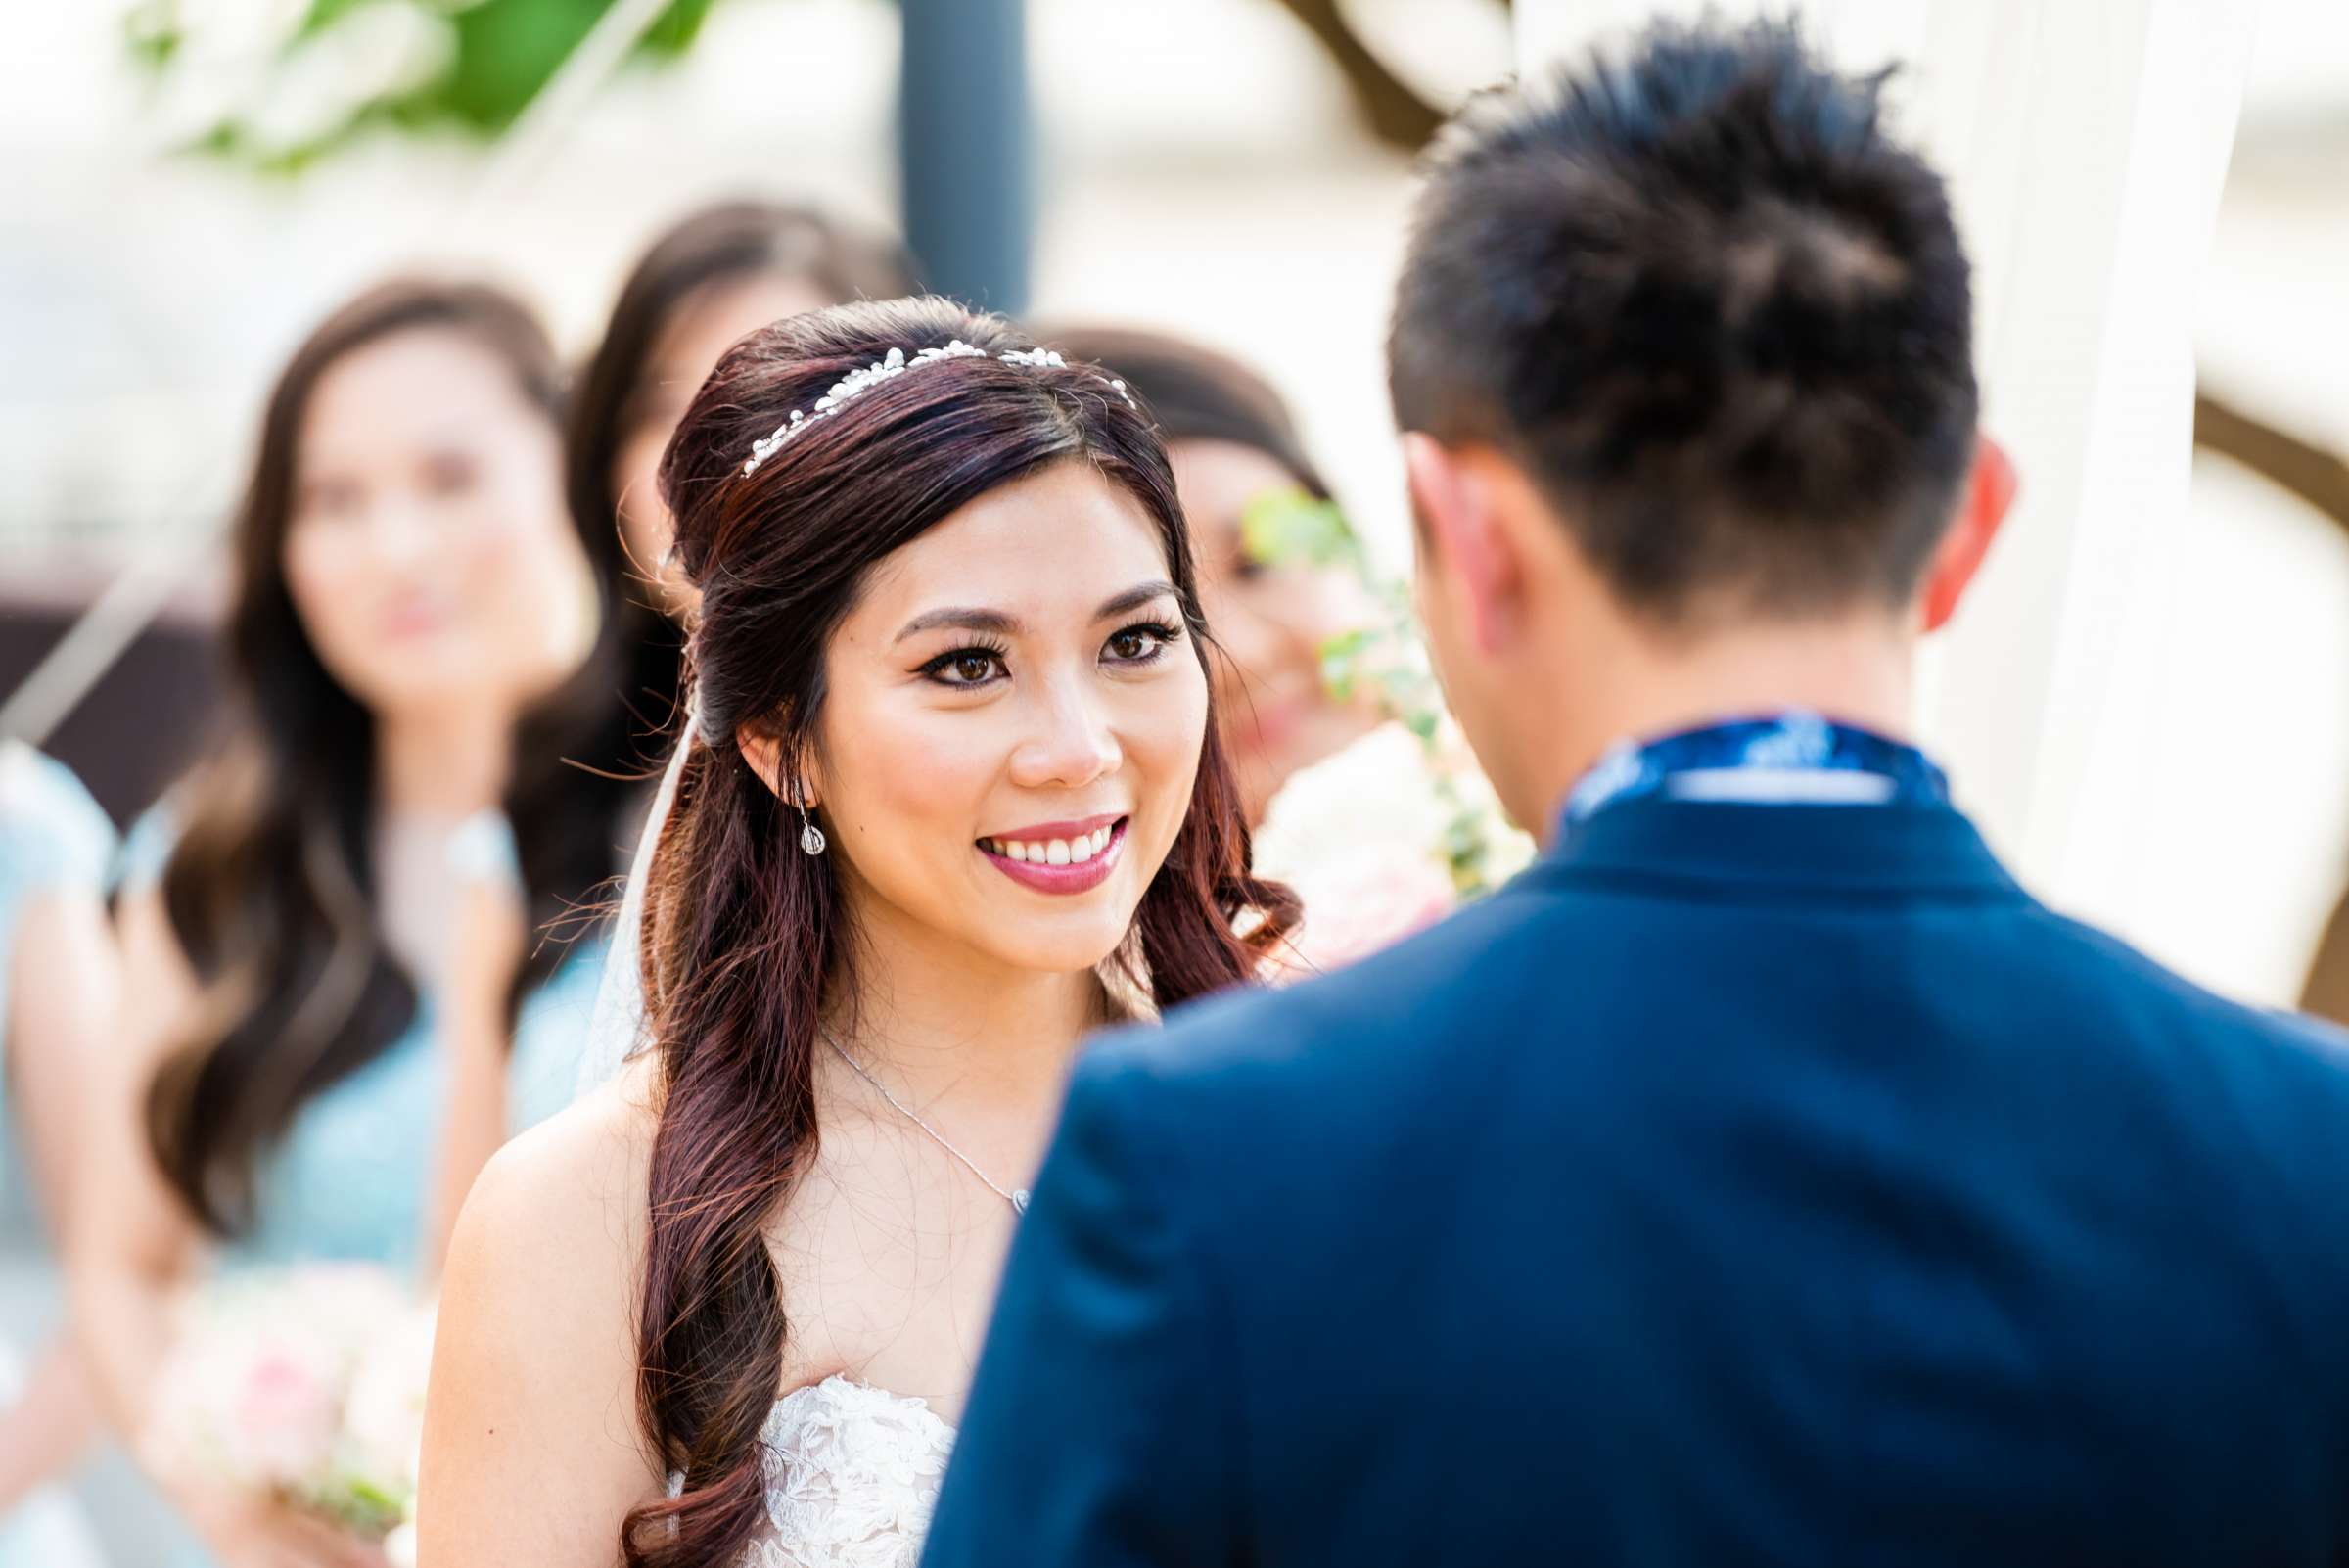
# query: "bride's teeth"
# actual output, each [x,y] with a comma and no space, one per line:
[1100,838]
[1082,849]
[1056,852]
[1015,852]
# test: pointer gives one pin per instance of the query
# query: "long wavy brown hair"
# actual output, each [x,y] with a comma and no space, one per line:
[745,935]
[271,887]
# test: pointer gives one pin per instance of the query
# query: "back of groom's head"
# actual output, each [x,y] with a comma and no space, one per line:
[1712,310]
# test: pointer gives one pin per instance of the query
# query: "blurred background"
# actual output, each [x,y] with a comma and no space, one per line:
[193,184]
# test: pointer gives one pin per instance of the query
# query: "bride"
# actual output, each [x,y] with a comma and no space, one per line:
[950,798]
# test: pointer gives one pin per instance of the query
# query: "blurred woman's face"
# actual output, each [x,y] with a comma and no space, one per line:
[1012,724]
[1276,711]
[428,553]
[710,321]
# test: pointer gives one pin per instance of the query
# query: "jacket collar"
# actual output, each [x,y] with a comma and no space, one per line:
[1907,848]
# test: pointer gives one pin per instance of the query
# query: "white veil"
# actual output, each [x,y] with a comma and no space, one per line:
[616,1031]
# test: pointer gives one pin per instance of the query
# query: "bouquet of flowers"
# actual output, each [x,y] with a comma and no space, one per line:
[306,1384]
[1394,832]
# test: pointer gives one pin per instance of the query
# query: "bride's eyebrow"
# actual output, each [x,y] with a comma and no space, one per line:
[1133,599]
[997,624]
[993,622]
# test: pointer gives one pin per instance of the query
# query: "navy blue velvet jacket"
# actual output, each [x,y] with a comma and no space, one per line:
[1763,1184]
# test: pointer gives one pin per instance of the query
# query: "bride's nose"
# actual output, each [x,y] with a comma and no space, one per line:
[1070,742]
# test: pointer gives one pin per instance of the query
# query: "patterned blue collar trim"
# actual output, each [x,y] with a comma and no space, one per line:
[1795,758]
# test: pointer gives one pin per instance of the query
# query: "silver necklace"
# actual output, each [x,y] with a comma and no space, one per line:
[1017,1199]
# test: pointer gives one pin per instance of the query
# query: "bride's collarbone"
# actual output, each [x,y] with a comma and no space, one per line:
[893,1249]
[888,1271]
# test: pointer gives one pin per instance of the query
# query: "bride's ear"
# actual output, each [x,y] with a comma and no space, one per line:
[763,752]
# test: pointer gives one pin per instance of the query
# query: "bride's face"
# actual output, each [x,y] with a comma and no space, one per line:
[1011,726]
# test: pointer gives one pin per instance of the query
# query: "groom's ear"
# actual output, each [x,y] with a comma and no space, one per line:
[1983,503]
[1466,556]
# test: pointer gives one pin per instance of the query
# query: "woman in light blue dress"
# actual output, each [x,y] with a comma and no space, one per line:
[343,936]
[57,983]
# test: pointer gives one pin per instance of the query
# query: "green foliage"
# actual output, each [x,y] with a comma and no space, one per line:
[359,1506]
[153,31]
[1295,527]
[1385,661]
[499,55]
[322,14]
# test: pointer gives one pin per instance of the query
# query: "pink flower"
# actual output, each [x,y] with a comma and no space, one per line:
[283,1426]
[306,1383]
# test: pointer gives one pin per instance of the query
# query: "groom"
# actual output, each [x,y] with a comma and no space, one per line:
[1763,1177]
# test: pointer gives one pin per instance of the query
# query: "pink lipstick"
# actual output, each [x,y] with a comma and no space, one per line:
[1059,857]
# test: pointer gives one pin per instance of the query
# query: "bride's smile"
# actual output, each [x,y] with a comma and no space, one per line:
[1011,726]
[1060,857]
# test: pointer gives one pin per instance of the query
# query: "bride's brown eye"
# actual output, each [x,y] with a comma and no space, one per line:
[966,666]
[1138,645]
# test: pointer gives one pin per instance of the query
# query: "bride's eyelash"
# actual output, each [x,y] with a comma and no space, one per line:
[936,668]
[1163,635]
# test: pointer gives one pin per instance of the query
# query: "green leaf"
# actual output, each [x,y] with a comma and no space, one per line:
[1286,528]
[322,14]
[676,30]
[1341,659]
[502,54]
[506,51]
[154,34]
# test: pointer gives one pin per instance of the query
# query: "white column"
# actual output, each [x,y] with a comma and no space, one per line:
[2084,143]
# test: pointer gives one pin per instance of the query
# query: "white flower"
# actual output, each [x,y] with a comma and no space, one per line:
[1381,839]
[1377,790]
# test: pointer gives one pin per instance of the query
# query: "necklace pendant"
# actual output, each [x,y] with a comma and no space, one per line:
[1019,1200]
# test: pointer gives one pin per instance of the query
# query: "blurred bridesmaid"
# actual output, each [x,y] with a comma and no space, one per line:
[710,279]
[339,996]
[1233,443]
[59,977]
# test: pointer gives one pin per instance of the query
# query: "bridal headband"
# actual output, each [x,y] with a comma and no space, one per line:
[857,383]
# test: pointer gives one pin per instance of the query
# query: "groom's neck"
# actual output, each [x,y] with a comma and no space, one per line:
[1857,670]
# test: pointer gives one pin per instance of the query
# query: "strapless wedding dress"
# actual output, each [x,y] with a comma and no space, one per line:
[852,1474]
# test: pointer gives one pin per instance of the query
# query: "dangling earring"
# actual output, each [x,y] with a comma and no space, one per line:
[812,837]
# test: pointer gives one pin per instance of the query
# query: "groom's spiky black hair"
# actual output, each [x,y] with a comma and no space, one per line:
[1720,316]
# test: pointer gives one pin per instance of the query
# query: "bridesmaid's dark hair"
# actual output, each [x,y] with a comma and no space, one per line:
[270,888]
[1195,393]
[742,933]
[641,651]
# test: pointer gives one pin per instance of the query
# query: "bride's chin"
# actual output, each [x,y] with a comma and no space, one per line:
[1066,946]
[1065,957]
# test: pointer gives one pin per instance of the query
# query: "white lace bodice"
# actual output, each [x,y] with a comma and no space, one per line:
[852,1474]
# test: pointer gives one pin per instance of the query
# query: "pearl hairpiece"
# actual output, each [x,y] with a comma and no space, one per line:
[857,383]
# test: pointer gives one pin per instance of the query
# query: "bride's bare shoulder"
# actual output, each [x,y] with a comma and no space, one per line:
[533,1369]
[569,1193]
[597,1148]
